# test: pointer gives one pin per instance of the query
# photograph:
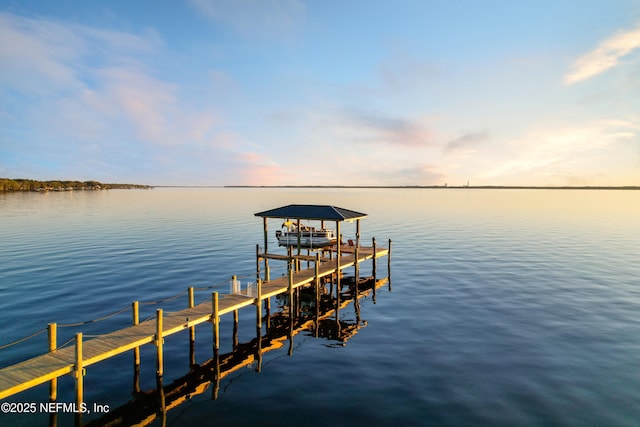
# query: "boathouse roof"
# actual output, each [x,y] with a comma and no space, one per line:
[313,212]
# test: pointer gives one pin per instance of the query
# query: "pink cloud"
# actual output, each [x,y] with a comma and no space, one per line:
[256,169]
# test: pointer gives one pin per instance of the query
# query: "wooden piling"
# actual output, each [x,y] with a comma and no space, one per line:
[136,350]
[266,251]
[389,265]
[299,238]
[192,332]
[290,291]
[53,344]
[235,329]
[79,371]
[267,273]
[215,320]
[338,251]
[159,343]
[338,260]
[234,279]
[356,265]
[375,265]
[259,324]
[266,235]
[357,251]
[267,307]
[258,303]
[136,321]
[258,261]
[316,293]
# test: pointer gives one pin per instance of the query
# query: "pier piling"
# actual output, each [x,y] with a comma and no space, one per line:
[79,371]
[53,344]
[159,343]
[192,331]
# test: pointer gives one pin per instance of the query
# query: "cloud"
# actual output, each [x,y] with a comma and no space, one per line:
[256,169]
[561,151]
[607,55]
[34,54]
[78,94]
[43,56]
[255,19]
[401,71]
[366,126]
[467,142]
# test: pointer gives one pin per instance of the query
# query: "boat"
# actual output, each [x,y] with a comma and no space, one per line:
[310,237]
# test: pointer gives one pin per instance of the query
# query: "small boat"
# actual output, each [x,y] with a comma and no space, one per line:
[310,237]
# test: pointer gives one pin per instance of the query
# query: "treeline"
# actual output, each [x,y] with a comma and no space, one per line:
[35,185]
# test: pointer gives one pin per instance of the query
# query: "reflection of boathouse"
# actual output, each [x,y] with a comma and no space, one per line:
[306,293]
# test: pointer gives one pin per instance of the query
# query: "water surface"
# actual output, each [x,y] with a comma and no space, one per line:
[509,307]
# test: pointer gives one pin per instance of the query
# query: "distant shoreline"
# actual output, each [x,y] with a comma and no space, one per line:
[31,185]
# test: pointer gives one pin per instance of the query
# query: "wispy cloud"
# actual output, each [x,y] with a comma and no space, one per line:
[256,19]
[607,55]
[468,141]
[360,125]
[41,55]
[36,54]
[561,151]
[401,71]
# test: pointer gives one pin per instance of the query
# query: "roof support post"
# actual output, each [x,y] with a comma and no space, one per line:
[299,238]
[338,259]
[266,237]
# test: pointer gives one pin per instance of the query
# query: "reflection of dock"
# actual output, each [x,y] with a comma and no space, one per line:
[148,406]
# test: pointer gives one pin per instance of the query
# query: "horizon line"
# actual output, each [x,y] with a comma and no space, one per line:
[480,187]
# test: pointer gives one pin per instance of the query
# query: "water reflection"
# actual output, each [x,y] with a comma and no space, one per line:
[320,320]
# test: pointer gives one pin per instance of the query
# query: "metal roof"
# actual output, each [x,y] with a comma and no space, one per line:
[314,212]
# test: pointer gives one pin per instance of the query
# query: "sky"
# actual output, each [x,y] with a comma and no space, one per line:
[295,92]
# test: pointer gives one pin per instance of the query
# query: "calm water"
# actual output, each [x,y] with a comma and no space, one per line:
[509,307]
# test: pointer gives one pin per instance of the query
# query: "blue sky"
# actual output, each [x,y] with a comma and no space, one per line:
[266,92]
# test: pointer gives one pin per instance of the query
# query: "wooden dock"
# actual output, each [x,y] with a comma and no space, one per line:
[73,360]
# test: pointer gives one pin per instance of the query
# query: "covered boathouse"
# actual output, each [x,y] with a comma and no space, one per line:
[325,214]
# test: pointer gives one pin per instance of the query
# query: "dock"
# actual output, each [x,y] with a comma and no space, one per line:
[72,360]
[325,264]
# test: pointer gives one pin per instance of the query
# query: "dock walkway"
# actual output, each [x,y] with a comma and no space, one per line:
[73,359]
